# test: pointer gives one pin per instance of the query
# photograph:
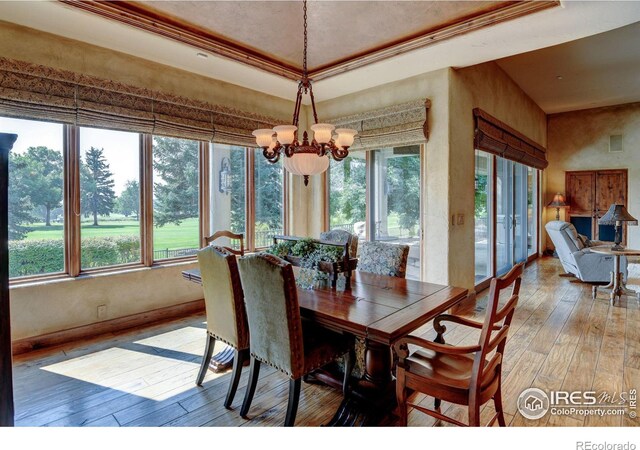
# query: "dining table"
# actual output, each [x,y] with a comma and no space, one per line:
[379,309]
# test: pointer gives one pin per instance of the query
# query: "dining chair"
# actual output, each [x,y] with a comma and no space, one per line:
[229,235]
[226,316]
[465,375]
[278,335]
[340,236]
[382,258]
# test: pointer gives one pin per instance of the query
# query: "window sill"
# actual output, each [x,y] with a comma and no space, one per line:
[97,273]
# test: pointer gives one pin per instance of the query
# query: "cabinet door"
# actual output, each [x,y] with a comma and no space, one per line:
[580,193]
[611,187]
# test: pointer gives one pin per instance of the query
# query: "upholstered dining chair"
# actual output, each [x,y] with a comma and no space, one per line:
[465,375]
[382,258]
[339,236]
[226,316]
[278,335]
[229,235]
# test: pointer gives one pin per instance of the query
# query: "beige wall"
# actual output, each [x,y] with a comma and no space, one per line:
[434,86]
[38,309]
[579,140]
[448,159]
[488,87]
[447,167]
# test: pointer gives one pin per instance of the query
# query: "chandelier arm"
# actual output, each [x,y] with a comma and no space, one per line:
[313,103]
[296,109]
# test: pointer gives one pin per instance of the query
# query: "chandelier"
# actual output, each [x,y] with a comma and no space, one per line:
[305,158]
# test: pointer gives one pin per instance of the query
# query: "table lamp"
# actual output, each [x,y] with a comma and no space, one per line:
[557,203]
[615,216]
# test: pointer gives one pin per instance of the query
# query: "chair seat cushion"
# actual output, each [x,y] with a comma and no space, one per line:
[321,346]
[452,371]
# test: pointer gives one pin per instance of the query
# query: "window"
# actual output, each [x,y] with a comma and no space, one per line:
[269,196]
[482,214]
[228,189]
[109,197]
[36,171]
[395,201]
[348,193]
[176,194]
[392,202]
[532,211]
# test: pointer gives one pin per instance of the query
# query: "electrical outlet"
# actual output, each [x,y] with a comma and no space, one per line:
[102,312]
[460,219]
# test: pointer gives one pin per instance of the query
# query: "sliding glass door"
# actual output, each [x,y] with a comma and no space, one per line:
[514,220]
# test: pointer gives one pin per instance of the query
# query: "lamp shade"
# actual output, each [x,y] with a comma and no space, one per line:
[263,137]
[322,132]
[345,137]
[558,201]
[306,164]
[617,213]
[285,133]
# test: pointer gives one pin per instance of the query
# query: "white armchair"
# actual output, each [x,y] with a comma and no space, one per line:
[577,259]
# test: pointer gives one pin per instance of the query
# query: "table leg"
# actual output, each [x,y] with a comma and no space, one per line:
[373,397]
[222,360]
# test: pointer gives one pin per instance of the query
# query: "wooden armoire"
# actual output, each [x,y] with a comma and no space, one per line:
[589,194]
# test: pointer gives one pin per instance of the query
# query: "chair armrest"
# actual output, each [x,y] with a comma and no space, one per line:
[440,329]
[401,347]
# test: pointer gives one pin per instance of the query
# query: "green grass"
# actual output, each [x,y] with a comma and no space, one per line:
[169,236]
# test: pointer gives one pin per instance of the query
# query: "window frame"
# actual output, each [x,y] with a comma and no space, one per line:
[71,205]
[369,199]
[250,199]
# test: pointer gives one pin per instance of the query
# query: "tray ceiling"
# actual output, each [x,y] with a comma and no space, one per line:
[343,35]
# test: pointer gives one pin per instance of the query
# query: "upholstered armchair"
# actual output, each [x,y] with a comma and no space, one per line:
[383,259]
[576,257]
[339,236]
[278,335]
[226,316]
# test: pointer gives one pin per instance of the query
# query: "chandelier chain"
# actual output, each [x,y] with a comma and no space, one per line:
[304,59]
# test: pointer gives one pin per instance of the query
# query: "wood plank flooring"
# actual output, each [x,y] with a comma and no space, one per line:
[560,339]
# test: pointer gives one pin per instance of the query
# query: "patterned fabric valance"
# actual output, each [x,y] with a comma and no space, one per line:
[30,91]
[496,137]
[393,126]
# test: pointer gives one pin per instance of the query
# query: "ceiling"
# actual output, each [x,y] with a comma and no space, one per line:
[600,70]
[343,35]
[545,28]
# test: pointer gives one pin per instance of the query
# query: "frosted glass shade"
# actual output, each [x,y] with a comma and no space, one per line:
[322,132]
[285,133]
[273,143]
[263,137]
[306,164]
[345,137]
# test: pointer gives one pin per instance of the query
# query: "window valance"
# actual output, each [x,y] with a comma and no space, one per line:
[393,126]
[31,91]
[496,137]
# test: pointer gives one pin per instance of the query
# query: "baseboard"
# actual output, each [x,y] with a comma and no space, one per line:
[108,326]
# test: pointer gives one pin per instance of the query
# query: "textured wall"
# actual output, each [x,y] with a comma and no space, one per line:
[38,309]
[579,140]
[488,87]
[435,194]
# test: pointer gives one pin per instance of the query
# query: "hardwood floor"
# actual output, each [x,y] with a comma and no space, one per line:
[560,339]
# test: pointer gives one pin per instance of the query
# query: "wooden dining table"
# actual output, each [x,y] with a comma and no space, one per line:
[379,309]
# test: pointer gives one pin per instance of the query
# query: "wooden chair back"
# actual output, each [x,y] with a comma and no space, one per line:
[496,319]
[227,234]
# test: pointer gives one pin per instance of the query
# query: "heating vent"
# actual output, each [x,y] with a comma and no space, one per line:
[615,143]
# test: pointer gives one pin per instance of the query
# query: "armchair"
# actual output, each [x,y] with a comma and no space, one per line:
[576,257]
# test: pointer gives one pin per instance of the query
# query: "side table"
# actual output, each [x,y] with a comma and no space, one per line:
[617,285]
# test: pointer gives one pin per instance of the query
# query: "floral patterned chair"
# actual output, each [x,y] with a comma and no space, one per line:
[383,259]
